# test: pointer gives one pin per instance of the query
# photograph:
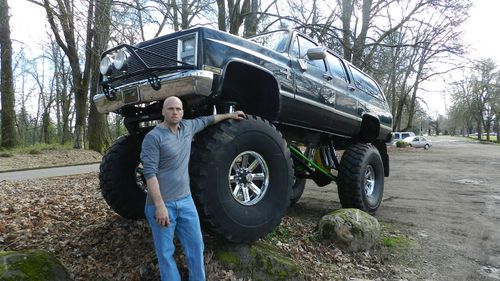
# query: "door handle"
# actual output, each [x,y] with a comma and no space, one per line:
[327,76]
[351,88]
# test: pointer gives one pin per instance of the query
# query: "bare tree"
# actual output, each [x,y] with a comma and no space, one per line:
[8,120]
[46,97]
[99,139]
[63,16]
[476,92]
[63,93]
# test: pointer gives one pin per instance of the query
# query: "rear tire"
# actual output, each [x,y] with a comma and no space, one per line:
[426,146]
[361,178]
[231,157]
[121,184]
[297,190]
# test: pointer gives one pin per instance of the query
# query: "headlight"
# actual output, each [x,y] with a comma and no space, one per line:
[187,50]
[105,66]
[121,59]
[188,45]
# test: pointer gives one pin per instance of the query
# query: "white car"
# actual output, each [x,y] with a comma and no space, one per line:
[418,142]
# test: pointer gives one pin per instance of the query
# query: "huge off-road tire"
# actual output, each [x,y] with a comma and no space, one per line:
[121,184]
[361,178]
[241,176]
[297,190]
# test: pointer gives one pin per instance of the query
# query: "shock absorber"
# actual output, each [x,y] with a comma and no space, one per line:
[328,156]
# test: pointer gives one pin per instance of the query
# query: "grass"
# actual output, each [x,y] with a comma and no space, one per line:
[36,148]
[396,241]
[493,139]
[391,237]
[280,233]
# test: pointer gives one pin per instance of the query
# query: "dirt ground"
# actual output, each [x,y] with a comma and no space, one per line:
[440,219]
[447,200]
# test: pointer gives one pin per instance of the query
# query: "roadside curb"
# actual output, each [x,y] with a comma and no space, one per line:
[48,167]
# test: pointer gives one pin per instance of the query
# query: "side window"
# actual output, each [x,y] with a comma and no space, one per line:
[404,136]
[336,68]
[304,45]
[365,83]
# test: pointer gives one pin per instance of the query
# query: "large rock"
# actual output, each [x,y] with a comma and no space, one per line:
[35,265]
[259,261]
[350,229]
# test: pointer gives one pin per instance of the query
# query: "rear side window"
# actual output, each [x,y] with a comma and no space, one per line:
[404,136]
[365,83]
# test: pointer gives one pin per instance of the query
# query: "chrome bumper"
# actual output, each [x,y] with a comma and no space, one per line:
[197,82]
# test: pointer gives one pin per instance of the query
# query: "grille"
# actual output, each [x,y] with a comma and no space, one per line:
[166,48]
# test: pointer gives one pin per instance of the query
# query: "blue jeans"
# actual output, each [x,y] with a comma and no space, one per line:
[184,223]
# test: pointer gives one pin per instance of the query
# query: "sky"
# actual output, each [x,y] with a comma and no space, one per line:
[482,29]
[481,32]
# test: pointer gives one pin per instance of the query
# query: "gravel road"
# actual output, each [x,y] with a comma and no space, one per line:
[448,200]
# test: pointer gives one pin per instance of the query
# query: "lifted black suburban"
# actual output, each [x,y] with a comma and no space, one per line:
[302,100]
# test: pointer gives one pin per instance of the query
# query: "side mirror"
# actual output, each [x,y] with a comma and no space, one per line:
[316,53]
[302,64]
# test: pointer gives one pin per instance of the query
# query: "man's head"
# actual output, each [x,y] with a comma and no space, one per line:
[172,110]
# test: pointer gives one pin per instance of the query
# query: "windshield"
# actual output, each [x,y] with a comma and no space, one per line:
[276,41]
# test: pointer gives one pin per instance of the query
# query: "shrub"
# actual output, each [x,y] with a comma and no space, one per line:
[6,154]
[401,144]
[35,151]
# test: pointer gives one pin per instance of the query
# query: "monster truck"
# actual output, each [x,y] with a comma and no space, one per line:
[303,102]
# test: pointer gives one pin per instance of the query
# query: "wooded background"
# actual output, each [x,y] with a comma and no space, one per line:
[402,44]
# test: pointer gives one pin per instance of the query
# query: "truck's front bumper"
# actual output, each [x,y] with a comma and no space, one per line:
[197,82]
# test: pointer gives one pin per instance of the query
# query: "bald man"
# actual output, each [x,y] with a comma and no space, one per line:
[169,206]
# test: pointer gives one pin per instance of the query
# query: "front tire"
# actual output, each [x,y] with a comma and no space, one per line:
[121,183]
[241,175]
[361,178]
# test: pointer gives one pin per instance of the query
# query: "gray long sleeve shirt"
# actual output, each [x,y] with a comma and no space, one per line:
[166,156]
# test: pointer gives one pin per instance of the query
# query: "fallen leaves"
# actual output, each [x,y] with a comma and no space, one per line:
[69,217]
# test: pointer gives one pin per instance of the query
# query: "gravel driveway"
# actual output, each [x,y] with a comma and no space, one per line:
[448,200]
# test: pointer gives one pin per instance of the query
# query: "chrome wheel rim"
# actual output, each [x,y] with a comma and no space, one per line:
[139,178]
[370,183]
[248,178]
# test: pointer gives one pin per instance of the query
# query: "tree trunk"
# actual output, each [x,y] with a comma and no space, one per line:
[479,131]
[347,10]
[359,44]
[45,130]
[185,14]
[237,14]
[8,120]
[251,19]
[98,135]
[175,12]
[221,14]
[411,110]
[497,126]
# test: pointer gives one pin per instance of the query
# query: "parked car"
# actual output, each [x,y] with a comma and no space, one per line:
[418,142]
[397,136]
